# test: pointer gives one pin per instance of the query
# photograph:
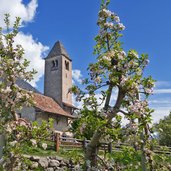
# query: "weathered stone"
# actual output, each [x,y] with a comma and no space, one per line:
[62,163]
[61,169]
[50,169]
[77,167]
[65,161]
[43,162]
[54,163]
[34,165]
[35,158]
[58,158]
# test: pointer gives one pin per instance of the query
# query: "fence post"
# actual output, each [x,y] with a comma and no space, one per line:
[57,142]
[84,144]
[110,148]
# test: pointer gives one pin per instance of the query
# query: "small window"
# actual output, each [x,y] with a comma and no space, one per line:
[54,64]
[67,65]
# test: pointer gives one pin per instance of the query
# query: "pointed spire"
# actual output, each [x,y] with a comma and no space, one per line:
[58,49]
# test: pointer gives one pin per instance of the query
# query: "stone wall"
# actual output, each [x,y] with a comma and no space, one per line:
[52,164]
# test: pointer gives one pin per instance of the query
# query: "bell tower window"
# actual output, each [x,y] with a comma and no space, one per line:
[67,65]
[54,64]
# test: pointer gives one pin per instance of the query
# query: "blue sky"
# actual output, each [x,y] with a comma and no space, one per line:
[148,30]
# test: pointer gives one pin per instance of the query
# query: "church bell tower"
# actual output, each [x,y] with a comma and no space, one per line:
[58,75]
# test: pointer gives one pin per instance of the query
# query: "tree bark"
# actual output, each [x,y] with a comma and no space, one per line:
[92,147]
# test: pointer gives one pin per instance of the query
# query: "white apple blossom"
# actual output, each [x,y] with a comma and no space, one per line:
[19,95]
[123,80]
[109,25]
[132,64]
[34,142]
[106,12]
[44,146]
[13,143]
[138,107]
[8,128]
[97,80]
[7,90]
[121,55]
[146,62]
[148,90]
[121,26]
[117,19]
[105,58]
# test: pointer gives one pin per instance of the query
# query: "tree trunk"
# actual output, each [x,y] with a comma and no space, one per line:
[2,144]
[92,147]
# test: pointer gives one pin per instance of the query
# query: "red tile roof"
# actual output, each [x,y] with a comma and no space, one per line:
[47,104]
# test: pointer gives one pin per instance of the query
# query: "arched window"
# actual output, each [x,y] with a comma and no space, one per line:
[54,64]
[67,65]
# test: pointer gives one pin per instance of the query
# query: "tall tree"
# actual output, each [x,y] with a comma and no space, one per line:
[116,74]
[163,129]
[13,65]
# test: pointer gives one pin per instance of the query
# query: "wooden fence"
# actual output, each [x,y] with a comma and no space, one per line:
[70,143]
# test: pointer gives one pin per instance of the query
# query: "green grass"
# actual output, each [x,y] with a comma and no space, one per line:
[38,152]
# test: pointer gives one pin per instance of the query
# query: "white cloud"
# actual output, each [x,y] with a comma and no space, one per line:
[77,76]
[99,98]
[160,113]
[34,51]
[163,84]
[162,91]
[16,8]
[161,106]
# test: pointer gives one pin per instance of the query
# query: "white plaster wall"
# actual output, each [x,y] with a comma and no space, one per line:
[28,113]
[60,122]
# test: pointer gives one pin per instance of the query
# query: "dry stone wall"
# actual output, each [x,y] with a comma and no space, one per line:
[54,163]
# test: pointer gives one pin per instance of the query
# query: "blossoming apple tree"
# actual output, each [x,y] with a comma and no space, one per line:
[17,132]
[120,74]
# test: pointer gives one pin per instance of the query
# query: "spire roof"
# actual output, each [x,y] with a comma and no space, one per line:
[58,49]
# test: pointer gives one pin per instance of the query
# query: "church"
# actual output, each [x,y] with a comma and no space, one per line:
[56,102]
